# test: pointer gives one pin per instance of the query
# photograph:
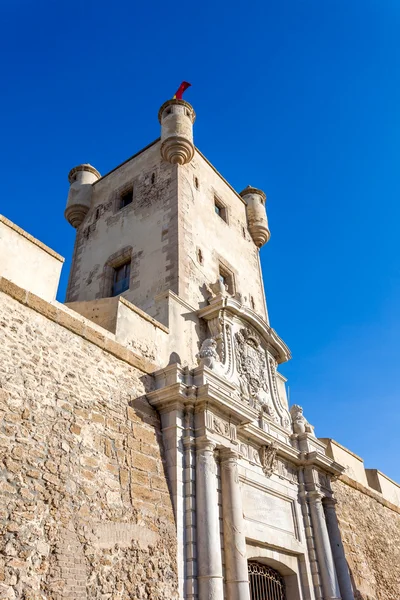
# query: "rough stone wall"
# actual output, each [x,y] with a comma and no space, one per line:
[85,511]
[371,537]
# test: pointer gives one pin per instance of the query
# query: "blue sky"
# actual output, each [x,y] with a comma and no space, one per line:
[298,97]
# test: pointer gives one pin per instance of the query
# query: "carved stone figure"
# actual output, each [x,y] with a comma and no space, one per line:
[217,289]
[268,459]
[221,427]
[208,355]
[300,423]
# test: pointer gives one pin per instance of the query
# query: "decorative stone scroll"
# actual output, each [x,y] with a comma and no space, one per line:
[286,422]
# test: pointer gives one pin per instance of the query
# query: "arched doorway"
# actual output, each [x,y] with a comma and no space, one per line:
[265,583]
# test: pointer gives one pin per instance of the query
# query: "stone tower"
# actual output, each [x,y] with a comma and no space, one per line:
[164,237]
[148,446]
[158,213]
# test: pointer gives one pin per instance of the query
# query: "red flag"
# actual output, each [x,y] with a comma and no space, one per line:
[179,93]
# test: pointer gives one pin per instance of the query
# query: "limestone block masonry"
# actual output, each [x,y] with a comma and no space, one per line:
[370,531]
[85,508]
[147,447]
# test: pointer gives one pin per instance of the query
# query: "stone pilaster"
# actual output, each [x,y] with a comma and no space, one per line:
[312,554]
[209,560]
[190,505]
[328,576]
[342,571]
[236,575]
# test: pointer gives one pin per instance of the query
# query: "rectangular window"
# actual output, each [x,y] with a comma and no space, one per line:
[126,198]
[226,278]
[121,279]
[220,209]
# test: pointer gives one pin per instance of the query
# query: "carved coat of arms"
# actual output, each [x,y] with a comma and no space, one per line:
[251,362]
[253,371]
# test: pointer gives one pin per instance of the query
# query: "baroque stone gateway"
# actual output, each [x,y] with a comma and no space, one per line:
[147,447]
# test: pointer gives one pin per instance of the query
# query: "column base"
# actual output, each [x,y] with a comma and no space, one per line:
[210,588]
[238,590]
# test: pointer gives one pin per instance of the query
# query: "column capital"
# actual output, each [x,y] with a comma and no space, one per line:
[329,502]
[315,496]
[205,444]
[227,454]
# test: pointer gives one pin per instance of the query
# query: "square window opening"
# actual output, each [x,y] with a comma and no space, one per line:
[220,209]
[126,198]
[121,277]
[226,278]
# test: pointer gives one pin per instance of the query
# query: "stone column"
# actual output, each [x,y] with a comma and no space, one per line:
[209,559]
[236,573]
[326,563]
[342,570]
[172,431]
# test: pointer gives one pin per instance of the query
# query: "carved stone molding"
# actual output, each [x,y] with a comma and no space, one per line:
[218,425]
[285,470]
[250,453]
[324,480]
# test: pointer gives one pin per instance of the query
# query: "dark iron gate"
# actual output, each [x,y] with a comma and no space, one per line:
[265,583]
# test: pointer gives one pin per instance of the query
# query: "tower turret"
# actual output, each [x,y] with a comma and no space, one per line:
[81,179]
[256,215]
[177,118]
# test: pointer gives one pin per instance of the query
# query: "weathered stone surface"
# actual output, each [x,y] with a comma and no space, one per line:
[83,504]
[371,537]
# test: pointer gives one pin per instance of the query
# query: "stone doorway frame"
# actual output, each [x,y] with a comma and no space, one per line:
[291,567]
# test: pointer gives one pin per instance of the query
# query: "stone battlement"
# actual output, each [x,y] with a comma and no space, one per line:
[369,480]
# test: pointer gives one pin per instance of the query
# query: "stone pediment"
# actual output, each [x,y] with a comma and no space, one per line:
[245,351]
[227,306]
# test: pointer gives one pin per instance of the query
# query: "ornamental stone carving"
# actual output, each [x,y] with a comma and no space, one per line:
[208,355]
[218,425]
[268,459]
[287,471]
[253,371]
[300,423]
[216,289]
[221,427]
